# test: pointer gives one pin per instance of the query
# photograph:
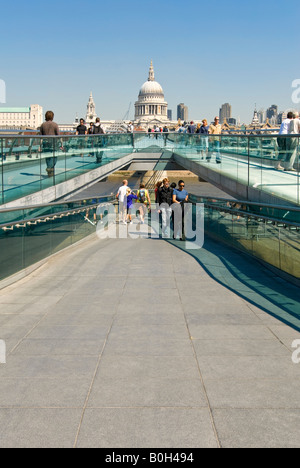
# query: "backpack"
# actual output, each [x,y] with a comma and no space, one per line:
[98,129]
[142,196]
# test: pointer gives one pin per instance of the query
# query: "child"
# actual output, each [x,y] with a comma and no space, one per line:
[130,197]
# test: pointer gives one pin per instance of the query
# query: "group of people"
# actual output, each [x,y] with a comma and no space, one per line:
[50,128]
[94,128]
[126,196]
[202,128]
[288,146]
[169,199]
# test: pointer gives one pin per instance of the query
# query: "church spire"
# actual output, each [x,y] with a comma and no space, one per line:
[151,73]
[91,110]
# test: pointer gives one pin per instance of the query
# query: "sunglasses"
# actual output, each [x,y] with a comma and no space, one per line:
[181,185]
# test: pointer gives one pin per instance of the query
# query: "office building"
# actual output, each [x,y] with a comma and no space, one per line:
[20,117]
[225,112]
[182,112]
[272,113]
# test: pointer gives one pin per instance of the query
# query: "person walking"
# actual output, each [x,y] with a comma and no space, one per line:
[130,127]
[165,201]
[91,129]
[204,130]
[180,197]
[98,128]
[122,198]
[294,129]
[157,187]
[144,200]
[50,128]
[130,197]
[215,129]
[81,129]
[282,141]
[98,142]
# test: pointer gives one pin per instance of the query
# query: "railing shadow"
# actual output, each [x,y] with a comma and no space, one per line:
[247,278]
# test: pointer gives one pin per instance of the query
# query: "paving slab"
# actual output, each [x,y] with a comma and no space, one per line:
[138,343]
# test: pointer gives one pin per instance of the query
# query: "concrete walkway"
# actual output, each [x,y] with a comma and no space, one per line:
[124,343]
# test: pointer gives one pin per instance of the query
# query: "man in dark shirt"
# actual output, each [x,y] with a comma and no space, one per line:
[192,128]
[49,145]
[81,129]
[165,200]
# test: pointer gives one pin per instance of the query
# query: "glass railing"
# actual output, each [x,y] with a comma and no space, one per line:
[29,235]
[269,233]
[30,164]
[267,163]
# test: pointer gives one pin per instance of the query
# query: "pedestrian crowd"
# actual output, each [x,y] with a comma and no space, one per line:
[169,201]
[209,143]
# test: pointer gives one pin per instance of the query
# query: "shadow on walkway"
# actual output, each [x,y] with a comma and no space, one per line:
[250,280]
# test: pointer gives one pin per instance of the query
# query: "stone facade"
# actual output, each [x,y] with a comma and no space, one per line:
[151,107]
[19,117]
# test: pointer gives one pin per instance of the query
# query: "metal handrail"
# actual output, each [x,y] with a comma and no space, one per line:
[245,214]
[246,202]
[207,203]
[228,135]
[46,205]
[48,217]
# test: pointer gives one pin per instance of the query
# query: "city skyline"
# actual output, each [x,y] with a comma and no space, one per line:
[59,74]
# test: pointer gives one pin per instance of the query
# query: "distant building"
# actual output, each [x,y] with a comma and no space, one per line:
[91,110]
[170,114]
[182,112]
[262,116]
[151,107]
[281,117]
[232,121]
[19,117]
[255,121]
[225,112]
[272,113]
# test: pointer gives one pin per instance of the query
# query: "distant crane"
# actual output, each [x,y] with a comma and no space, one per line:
[126,116]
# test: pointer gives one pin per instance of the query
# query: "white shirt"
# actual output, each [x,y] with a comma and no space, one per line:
[122,193]
[284,129]
[294,127]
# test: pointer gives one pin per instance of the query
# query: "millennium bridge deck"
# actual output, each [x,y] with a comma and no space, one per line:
[245,173]
[125,343]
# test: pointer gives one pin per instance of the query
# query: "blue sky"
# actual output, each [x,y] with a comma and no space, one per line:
[204,54]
